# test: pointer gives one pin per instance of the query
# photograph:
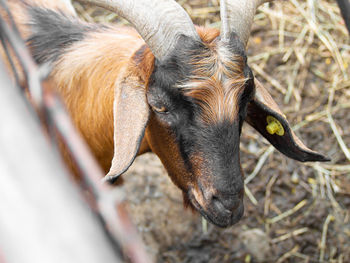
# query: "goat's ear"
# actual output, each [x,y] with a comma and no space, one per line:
[131,114]
[266,117]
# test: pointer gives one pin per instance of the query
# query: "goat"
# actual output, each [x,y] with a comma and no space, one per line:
[180,91]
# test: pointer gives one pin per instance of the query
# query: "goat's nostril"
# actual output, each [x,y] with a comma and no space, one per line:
[222,201]
[218,204]
[228,204]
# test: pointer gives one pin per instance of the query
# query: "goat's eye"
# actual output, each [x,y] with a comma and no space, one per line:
[161,109]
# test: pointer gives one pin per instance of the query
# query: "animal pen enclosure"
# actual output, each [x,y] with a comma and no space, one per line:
[294,212]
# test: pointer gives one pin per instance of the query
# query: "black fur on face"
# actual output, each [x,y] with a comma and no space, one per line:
[210,151]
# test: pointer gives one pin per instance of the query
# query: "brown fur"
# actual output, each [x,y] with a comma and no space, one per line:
[85,77]
[217,80]
[162,142]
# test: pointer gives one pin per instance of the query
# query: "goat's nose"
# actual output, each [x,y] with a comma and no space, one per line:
[225,202]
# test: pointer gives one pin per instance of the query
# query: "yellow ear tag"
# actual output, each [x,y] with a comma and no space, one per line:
[274,126]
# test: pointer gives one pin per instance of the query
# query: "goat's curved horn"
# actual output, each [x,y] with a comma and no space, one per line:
[159,22]
[237,16]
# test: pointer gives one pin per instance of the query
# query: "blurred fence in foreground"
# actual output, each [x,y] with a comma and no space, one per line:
[46,216]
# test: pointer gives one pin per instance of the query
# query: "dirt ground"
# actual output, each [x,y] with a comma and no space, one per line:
[294,212]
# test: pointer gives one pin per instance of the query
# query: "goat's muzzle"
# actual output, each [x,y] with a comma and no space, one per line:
[221,208]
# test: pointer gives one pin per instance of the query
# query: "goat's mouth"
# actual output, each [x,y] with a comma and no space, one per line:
[217,214]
